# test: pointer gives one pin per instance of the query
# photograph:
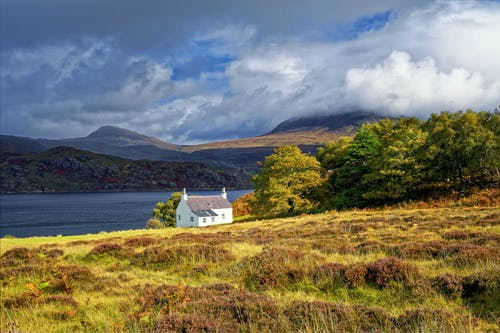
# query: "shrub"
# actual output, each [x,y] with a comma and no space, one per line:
[355,275]
[65,278]
[165,296]
[272,268]
[141,241]
[449,284]
[329,275]
[429,250]
[455,234]
[383,271]
[217,307]
[111,249]
[241,206]
[191,323]
[469,254]
[158,257]
[26,299]
[18,256]
[154,224]
[481,291]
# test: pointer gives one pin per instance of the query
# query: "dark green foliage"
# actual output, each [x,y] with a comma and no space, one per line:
[348,182]
[165,211]
[396,161]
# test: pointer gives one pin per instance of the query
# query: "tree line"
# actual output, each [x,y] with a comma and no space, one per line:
[387,162]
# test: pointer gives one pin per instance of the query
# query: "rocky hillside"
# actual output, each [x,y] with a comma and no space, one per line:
[65,169]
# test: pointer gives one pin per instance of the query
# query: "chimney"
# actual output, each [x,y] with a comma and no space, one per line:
[224,194]
[184,194]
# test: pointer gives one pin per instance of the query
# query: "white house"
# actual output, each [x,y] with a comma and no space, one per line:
[201,211]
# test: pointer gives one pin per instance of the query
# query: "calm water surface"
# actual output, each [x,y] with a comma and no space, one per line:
[25,215]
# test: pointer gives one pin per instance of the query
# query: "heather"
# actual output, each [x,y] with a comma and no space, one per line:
[414,268]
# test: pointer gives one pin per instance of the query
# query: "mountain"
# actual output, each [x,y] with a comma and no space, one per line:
[347,122]
[66,169]
[116,141]
[242,154]
[17,144]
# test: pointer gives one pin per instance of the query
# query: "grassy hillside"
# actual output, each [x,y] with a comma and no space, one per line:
[304,137]
[393,270]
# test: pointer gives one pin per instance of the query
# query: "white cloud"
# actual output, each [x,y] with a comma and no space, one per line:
[402,86]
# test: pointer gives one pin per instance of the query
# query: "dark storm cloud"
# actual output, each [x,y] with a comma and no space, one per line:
[149,24]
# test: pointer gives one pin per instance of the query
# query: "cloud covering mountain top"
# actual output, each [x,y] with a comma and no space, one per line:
[197,71]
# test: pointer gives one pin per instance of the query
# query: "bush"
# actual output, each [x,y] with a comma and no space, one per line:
[18,256]
[191,323]
[383,271]
[273,268]
[355,275]
[241,206]
[429,250]
[481,291]
[216,308]
[449,284]
[469,254]
[141,241]
[161,257]
[455,234]
[111,249]
[329,275]
[154,223]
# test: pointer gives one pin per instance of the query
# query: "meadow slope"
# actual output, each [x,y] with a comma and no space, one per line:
[391,270]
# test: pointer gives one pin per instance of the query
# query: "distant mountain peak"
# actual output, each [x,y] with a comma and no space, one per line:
[330,122]
[110,130]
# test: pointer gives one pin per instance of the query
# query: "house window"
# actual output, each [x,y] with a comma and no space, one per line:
[192,219]
[223,216]
[213,219]
[204,220]
[179,217]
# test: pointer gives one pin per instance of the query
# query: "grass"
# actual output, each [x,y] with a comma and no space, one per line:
[392,270]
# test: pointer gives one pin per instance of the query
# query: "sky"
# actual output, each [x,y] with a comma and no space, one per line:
[197,71]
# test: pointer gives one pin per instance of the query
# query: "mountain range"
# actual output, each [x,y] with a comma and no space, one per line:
[235,157]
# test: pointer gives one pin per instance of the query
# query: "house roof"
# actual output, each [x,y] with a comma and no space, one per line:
[205,213]
[207,203]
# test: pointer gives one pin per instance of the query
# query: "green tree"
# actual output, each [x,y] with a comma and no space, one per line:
[331,156]
[347,183]
[397,170]
[288,184]
[165,211]
[461,147]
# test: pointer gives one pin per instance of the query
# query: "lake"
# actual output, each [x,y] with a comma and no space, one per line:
[25,215]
